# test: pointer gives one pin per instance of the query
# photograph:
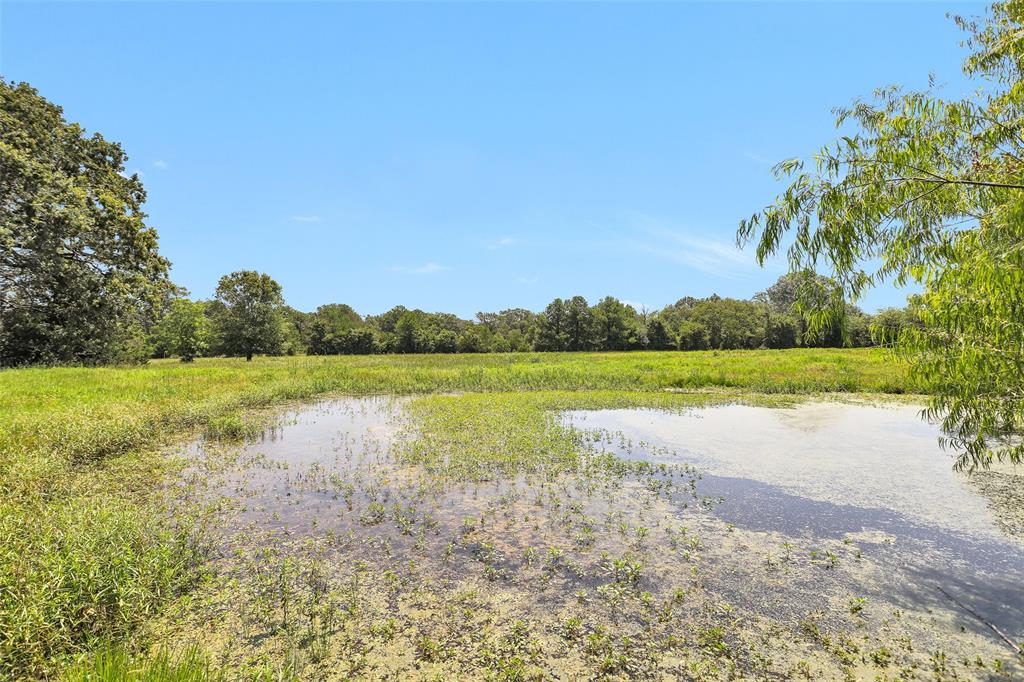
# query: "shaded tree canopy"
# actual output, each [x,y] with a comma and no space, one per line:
[247,310]
[80,273]
[183,330]
[930,190]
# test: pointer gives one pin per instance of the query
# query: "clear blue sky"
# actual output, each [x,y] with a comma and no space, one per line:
[466,157]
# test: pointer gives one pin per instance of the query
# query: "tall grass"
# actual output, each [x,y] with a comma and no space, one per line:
[116,664]
[79,569]
[84,555]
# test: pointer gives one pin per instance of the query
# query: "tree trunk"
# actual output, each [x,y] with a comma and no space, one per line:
[248,357]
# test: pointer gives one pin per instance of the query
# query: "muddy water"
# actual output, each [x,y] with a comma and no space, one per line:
[729,517]
[873,476]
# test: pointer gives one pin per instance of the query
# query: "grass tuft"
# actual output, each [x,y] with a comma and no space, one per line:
[115,664]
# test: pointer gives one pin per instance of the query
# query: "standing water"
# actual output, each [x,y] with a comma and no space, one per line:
[871,475]
[718,543]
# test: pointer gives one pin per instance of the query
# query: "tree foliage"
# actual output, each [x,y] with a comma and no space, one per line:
[929,190]
[247,310]
[80,274]
[239,322]
[183,330]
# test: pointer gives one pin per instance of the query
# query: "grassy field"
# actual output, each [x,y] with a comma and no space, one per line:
[87,557]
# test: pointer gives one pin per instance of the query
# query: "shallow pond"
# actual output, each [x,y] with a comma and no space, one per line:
[863,473]
[707,543]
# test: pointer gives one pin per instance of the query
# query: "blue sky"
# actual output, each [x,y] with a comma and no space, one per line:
[475,156]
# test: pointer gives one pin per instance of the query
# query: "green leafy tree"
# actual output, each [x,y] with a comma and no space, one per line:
[930,190]
[339,316]
[508,320]
[888,324]
[356,341]
[794,289]
[616,325]
[80,274]
[693,336]
[248,315]
[516,341]
[552,334]
[386,322]
[476,339]
[323,331]
[321,339]
[300,326]
[384,342]
[658,337]
[795,296]
[730,323]
[291,341]
[509,330]
[781,330]
[184,330]
[409,338]
[445,341]
[674,314]
[857,328]
[579,324]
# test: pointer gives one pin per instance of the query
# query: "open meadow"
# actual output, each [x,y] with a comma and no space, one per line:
[475,517]
[511,341]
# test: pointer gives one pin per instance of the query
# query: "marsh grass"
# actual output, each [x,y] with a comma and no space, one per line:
[83,568]
[84,414]
[87,554]
[233,427]
[115,663]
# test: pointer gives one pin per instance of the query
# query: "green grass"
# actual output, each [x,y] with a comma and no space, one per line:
[490,436]
[85,555]
[116,664]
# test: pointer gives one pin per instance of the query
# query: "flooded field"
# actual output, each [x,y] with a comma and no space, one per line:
[874,475]
[508,537]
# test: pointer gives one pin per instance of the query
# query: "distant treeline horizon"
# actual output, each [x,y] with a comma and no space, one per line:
[770,319]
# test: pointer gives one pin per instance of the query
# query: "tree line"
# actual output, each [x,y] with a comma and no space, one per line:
[248,316]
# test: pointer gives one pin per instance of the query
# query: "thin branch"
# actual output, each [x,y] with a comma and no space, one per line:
[972,183]
[991,627]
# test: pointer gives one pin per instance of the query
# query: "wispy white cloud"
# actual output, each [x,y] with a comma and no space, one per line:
[498,243]
[428,268]
[636,305]
[760,159]
[707,254]
[528,280]
[306,218]
[160,163]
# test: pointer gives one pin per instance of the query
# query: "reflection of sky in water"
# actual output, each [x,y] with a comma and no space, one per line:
[870,457]
[875,475]
[324,431]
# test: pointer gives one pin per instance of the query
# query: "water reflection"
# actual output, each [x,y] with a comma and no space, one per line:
[868,475]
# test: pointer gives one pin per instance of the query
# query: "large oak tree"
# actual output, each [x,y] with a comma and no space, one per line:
[80,274]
